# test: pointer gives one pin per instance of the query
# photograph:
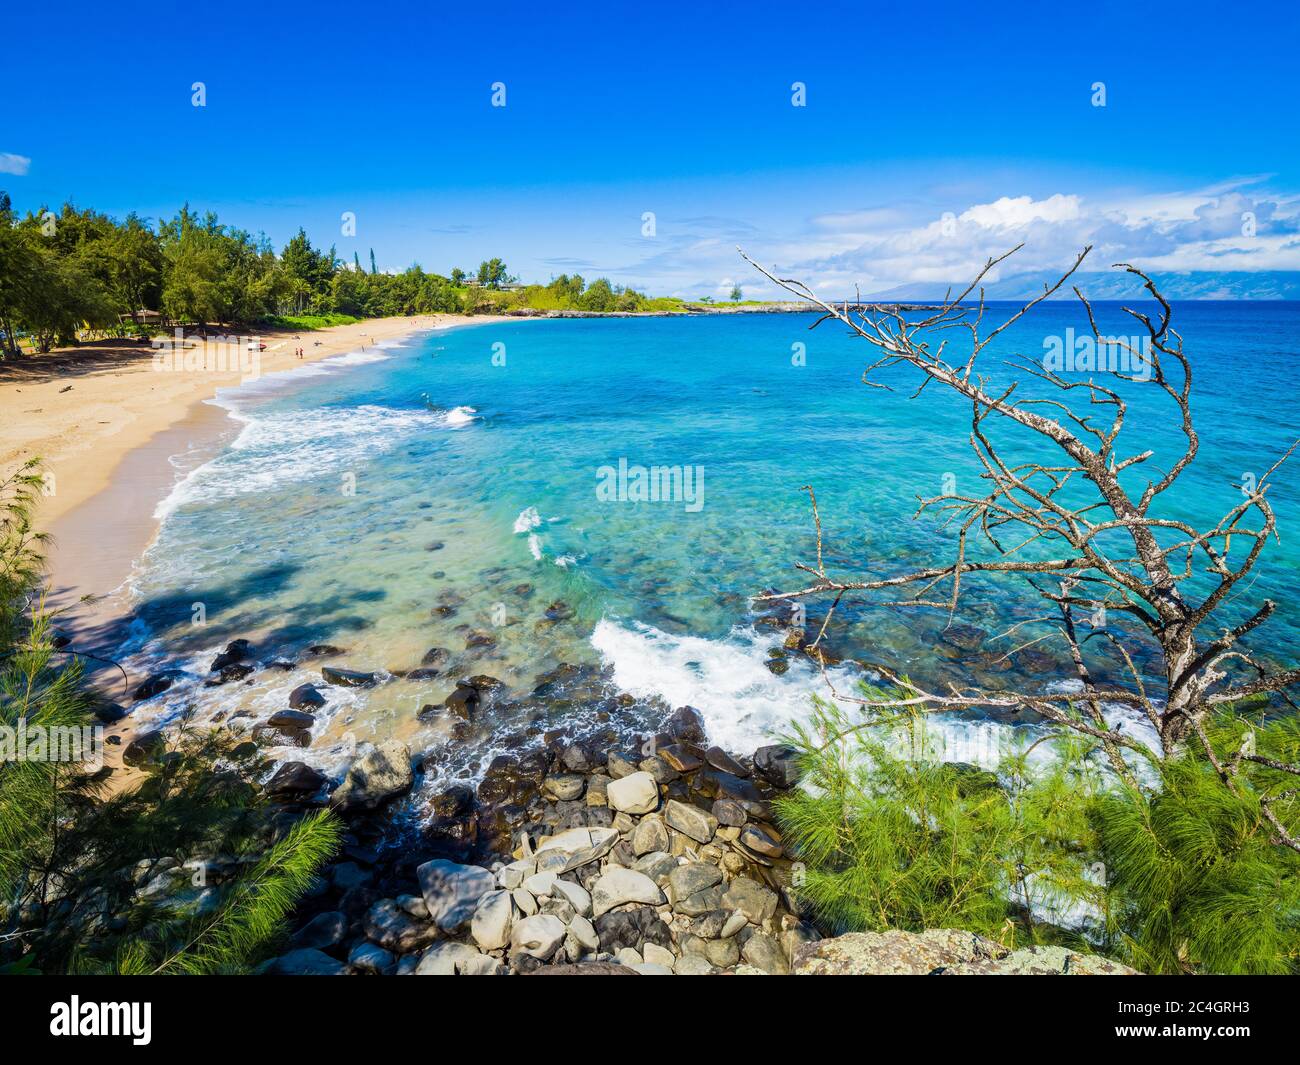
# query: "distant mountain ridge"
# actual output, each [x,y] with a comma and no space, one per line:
[1117,284]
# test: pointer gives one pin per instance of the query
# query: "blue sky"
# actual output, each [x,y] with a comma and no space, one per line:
[932,135]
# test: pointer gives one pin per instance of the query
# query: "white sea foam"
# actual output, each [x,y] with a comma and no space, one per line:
[528,519]
[744,704]
[459,416]
[742,701]
[296,446]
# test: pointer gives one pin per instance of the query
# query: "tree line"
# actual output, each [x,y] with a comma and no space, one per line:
[74,271]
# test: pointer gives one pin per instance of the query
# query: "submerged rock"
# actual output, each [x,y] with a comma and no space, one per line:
[154,684]
[347,678]
[295,781]
[306,695]
[236,651]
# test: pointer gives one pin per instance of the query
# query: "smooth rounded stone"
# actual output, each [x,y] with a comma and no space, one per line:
[346,678]
[636,793]
[628,956]
[690,821]
[377,775]
[368,957]
[446,959]
[305,962]
[414,905]
[686,880]
[693,965]
[727,834]
[566,788]
[730,813]
[751,898]
[662,772]
[538,936]
[654,954]
[618,886]
[764,952]
[575,847]
[734,923]
[624,824]
[540,884]
[778,765]
[492,920]
[620,766]
[575,895]
[435,656]
[680,758]
[762,840]
[656,865]
[598,790]
[394,929]
[649,836]
[722,952]
[650,969]
[584,932]
[512,876]
[525,901]
[452,891]
[701,902]
[323,931]
[306,695]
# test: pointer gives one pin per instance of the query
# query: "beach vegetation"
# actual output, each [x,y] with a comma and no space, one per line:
[74,274]
[1046,845]
[189,870]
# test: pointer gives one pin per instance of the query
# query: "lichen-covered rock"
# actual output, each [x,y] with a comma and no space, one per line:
[945,951]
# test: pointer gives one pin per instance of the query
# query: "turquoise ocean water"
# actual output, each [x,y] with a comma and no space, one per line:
[448,491]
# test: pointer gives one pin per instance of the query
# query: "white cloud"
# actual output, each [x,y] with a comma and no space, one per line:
[14,164]
[1008,213]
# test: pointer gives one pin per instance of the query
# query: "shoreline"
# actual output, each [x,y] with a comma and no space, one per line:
[110,429]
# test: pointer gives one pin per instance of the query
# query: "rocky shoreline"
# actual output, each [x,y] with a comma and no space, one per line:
[576,853]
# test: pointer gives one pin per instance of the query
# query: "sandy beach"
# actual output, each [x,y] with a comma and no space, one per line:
[107,424]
